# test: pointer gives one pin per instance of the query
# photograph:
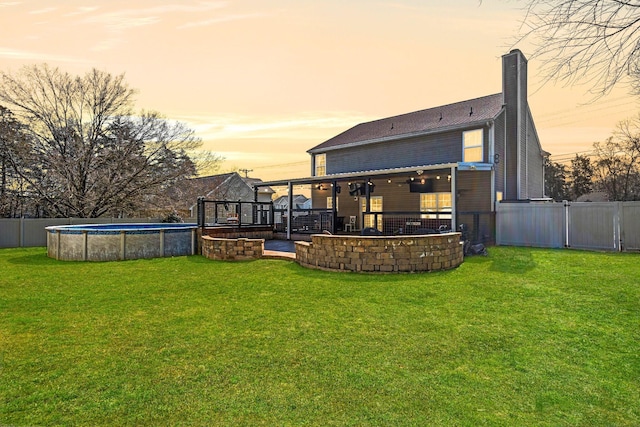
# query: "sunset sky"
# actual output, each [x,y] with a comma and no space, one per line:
[263,81]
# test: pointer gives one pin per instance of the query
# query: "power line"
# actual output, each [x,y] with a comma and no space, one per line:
[583,116]
[246,172]
[281,165]
[564,110]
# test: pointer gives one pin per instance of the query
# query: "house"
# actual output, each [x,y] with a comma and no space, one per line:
[433,168]
[300,202]
[230,187]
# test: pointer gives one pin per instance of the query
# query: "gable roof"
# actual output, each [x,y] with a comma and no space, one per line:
[253,183]
[213,181]
[451,116]
[297,199]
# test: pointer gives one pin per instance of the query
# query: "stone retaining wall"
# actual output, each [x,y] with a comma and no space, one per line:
[249,232]
[381,253]
[232,249]
[223,232]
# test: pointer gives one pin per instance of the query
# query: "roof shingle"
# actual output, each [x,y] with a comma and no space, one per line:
[431,119]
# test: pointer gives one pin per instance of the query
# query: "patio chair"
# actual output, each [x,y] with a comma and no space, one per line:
[351,225]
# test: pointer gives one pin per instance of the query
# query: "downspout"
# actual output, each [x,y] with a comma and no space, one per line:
[492,160]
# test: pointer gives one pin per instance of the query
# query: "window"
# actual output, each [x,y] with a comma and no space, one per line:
[330,203]
[436,205]
[321,164]
[472,146]
[375,202]
[499,196]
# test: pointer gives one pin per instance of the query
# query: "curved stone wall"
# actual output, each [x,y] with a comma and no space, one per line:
[381,253]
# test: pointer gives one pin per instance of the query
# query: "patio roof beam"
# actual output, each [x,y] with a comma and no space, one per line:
[380,173]
[454,192]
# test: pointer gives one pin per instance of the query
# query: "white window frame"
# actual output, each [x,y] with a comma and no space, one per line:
[330,202]
[442,208]
[376,204]
[320,164]
[469,145]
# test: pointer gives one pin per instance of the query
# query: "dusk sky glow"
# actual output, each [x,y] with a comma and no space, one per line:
[264,81]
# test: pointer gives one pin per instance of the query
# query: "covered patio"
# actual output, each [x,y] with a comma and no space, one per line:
[400,201]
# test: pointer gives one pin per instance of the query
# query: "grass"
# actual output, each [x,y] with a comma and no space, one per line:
[523,337]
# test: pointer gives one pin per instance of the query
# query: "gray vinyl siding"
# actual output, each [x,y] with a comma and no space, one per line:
[535,164]
[523,153]
[500,151]
[474,191]
[416,151]
[408,152]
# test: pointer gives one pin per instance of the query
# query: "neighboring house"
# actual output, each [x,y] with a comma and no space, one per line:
[597,196]
[449,163]
[299,202]
[230,187]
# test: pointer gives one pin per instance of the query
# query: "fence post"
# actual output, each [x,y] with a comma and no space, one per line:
[21,233]
[617,227]
[200,212]
[566,223]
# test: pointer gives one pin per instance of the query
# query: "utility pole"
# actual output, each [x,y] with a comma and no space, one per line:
[246,172]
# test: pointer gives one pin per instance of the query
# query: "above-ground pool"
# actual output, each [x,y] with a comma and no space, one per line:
[110,242]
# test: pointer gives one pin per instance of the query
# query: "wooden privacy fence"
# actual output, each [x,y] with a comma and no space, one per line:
[608,226]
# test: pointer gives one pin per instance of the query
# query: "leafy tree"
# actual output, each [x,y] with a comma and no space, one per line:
[555,185]
[595,41]
[581,176]
[88,153]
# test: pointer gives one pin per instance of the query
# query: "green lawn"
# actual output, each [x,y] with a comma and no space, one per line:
[524,337]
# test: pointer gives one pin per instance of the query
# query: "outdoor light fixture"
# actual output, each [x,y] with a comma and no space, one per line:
[420,172]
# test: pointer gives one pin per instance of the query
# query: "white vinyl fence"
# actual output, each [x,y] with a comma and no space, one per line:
[609,226]
[26,232]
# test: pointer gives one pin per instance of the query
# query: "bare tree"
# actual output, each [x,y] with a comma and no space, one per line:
[89,155]
[13,189]
[617,162]
[592,41]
